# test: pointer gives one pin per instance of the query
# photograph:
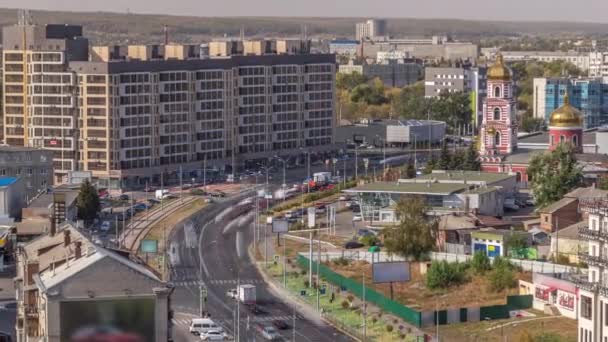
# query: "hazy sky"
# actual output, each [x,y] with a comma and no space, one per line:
[568,10]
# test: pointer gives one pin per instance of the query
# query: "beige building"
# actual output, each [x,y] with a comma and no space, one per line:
[130,116]
[62,286]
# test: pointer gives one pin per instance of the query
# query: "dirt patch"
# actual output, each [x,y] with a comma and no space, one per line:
[415,294]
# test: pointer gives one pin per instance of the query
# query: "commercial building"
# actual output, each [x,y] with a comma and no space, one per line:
[12,198]
[371,29]
[392,73]
[134,117]
[495,242]
[344,47]
[62,275]
[466,79]
[553,292]
[581,60]
[589,95]
[33,165]
[445,192]
[391,132]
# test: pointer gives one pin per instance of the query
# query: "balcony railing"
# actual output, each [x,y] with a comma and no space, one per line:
[590,234]
[593,260]
[585,284]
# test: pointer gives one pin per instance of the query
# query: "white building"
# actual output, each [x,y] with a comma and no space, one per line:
[593,289]
[580,59]
[598,64]
[371,29]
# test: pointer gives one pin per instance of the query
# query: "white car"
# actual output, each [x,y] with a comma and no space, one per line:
[343,198]
[200,326]
[105,226]
[357,218]
[270,333]
[213,335]
[232,293]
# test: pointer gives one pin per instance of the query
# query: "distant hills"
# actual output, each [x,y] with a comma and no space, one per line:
[122,28]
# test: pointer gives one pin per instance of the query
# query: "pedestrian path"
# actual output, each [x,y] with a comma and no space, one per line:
[216,282]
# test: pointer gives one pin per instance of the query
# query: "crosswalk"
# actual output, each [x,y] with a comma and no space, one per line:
[185,323]
[216,282]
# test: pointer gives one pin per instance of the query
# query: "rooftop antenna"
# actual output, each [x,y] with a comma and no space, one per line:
[166,32]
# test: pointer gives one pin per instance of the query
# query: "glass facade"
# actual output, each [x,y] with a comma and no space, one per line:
[590,96]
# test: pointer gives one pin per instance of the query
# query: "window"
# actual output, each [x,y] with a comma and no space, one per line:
[551,141]
[496,113]
[586,307]
[574,140]
[562,138]
[497,92]
[497,139]
[546,219]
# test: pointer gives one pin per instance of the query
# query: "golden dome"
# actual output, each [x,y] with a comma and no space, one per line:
[566,116]
[499,70]
[491,131]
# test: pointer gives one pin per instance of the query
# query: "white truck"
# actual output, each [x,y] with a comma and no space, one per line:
[247,294]
[160,194]
[321,177]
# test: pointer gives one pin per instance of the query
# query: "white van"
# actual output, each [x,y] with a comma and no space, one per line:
[199,326]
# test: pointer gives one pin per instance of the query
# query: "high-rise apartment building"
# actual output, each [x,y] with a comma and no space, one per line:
[593,287]
[371,29]
[589,95]
[130,118]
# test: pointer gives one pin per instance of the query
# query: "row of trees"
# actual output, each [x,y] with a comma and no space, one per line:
[467,160]
[360,97]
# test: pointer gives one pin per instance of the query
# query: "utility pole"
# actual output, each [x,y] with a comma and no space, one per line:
[364,308]
[294,323]
[318,278]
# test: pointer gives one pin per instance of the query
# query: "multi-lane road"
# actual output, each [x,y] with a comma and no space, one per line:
[222,248]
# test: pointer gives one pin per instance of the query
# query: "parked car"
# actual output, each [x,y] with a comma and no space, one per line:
[343,198]
[123,197]
[105,226]
[353,245]
[530,202]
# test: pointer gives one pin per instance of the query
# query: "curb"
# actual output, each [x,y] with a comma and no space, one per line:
[281,290]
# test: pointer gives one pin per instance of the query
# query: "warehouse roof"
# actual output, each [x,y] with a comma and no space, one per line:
[473,176]
[426,188]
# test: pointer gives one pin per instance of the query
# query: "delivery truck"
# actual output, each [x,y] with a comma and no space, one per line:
[247,294]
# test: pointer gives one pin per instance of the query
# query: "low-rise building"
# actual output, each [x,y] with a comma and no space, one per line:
[391,132]
[34,165]
[580,59]
[553,293]
[12,199]
[567,244]
[62,275]
[559,215]
[495,242]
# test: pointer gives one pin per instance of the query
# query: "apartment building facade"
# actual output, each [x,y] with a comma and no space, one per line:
[34,165]
[130,120]
[589,95]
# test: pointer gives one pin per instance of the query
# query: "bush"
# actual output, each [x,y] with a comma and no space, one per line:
[369,240]
[341,261]
[306,283]
[480,263]
[303,272]
[501,278]
[389,328]
[501,262]
[350,298]
[402,336]
[443,274]
[374,319]
[345,304]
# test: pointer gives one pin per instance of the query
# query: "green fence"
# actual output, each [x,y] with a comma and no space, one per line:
[356,288]
[502,311]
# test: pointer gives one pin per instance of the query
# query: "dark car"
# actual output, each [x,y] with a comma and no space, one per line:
[124,197]
[280,324]
[5,337]
[256,310]
[353,245]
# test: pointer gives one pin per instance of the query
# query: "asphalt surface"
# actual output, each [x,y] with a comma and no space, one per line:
[8,317]
[223,249]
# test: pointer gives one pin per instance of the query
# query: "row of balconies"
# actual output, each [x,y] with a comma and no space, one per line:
[594,260]
[590,234]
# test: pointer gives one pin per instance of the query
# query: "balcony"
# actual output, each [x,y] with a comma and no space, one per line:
[590,234]
[584,284]
[593,260]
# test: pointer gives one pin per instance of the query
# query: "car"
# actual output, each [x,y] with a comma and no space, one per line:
[232,293]
[105,226]
[530,202]
[149,189]
[213,335]
[199,326]
[256,310]
[269,332]
[353,245]
[123,197]
[280,324]
[357,218]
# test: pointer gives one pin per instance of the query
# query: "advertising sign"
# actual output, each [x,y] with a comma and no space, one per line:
[280,226]
[149,246]
[541,294]
[390,272]
[311,217]
[566,300]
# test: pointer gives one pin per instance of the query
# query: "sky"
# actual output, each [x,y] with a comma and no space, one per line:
[518,10]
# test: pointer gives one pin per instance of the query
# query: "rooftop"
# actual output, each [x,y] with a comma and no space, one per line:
[425,188]
[473,176]
[45,200]
[551,208]
[589,192]
[6,181]
[570,232]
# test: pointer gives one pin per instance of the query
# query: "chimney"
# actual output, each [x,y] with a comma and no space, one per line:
[66,238]
[78,249]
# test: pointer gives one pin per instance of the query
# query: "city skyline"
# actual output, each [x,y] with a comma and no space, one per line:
[541,10]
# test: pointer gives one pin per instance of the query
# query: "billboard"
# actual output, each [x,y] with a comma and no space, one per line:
[390,272]
[311,217]
[108,320]
[280,226]
[149,246]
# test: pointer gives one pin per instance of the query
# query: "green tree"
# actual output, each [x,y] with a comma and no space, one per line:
[480,262]
[87,202]
[553,174]
[603,183]
[416,234]
[410,172]
[528,123]
[430,166]
[457,161]
[443,274]
[501,278]
[445,158]
[471,159]
[349,81]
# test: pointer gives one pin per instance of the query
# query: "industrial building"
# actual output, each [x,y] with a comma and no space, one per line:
[392,73]
[131,114]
